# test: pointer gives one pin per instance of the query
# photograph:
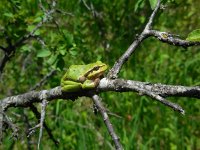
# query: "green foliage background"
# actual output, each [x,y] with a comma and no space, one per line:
[82,38]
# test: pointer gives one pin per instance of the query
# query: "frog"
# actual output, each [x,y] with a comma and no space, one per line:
[83,77]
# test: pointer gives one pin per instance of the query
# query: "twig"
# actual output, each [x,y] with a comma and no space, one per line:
[64,13]
[44,79]
[159,98]
[1,124]
[4,118]
[32,107]
[30,34]
[141,88]
[163,90]
[10,50]
[27,126]
[37,115]
[113,73]
[171,39]
[147,32]
[42,118]
[100,23]
[86,5]
[150,22]
[115,138]
[42,7]
[12,126]
[32,130]
[40,40]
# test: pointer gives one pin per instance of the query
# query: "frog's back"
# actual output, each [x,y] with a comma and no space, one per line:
[74,72]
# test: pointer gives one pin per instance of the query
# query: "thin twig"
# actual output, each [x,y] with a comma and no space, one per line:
[113,73]
[27,126]
[1,124]
[44,79]
[38,115]
[40,40]
[159,98]
[86,5]
[150,22]
[42,118]
[10,50]
[42,7]
[30,34]
[64,13]
[12,126]
[32,130]
[115,138]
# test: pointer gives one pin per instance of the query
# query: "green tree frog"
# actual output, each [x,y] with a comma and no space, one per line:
[80,77]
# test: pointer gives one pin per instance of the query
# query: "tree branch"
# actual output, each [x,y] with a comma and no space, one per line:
[150,22]
[171,39]
[163,90]
[38,115]
[113,73]
[156,91]
[115,138]
[147,32]
[42,120]
[118,85]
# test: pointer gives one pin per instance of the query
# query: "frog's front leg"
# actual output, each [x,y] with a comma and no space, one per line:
[90,84]
[70,86]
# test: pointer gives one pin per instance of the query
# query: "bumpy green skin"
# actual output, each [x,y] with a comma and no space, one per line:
[80,77]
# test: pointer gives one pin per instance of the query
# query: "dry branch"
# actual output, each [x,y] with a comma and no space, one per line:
[118,85]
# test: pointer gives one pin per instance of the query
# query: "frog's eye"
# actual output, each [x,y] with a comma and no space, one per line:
[96,68]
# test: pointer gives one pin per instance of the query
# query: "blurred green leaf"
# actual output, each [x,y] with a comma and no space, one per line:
[73,51]
[138,4]
[194,35]
[62,49]
[52,59]
[25,48]
[30,28]
[44,53]
[69,37]
[38,19]
[153,3]
[9,14]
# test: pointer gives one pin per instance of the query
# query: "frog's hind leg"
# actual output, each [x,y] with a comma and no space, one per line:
[90,84]
[70,86]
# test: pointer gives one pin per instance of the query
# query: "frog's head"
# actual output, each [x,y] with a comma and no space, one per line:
[96,70]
